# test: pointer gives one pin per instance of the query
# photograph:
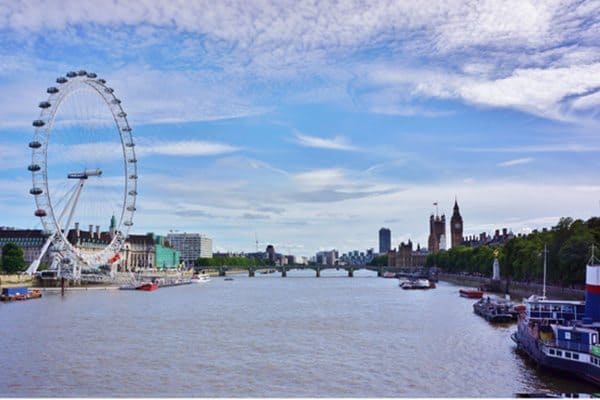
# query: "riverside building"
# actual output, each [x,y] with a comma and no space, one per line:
[191,246]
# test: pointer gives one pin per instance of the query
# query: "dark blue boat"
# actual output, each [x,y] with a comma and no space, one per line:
[563,335]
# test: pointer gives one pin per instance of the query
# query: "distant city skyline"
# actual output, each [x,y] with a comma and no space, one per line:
[311,127]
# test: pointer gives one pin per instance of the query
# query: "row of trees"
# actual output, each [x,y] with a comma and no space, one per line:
[569,245]
[221,261]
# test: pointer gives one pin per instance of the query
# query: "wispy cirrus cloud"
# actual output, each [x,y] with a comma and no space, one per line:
[516,161]
[541,148]
[336,143]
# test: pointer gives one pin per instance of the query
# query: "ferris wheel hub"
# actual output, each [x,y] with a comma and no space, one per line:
[85,174]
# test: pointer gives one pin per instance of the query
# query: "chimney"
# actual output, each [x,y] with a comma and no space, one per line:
[77,228]
[97,231]
[91,231]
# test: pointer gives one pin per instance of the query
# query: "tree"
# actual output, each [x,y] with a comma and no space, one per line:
[12,258]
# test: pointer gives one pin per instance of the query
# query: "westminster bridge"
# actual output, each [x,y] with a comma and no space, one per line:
[414,272]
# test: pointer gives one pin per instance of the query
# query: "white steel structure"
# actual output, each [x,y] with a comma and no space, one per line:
[82,134]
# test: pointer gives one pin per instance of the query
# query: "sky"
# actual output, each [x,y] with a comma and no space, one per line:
[309,125]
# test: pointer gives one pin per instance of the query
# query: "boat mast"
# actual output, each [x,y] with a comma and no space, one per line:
[544,286]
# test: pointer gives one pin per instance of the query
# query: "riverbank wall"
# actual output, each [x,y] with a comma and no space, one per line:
[517,290]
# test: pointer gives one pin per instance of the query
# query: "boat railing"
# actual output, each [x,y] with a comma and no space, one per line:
[566,345]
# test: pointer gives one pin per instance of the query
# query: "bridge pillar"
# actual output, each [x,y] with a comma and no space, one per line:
[251,273]
[318,272]
[221,272]
[350,273]
[380,272]
[283,272]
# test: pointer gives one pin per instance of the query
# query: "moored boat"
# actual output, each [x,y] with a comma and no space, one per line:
[19,293]
[471,293]
[563,335]
[148,287]
[494,310]
[200,278]
[389,274]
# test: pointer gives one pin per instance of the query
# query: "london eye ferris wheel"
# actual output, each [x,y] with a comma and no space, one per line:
[84,173]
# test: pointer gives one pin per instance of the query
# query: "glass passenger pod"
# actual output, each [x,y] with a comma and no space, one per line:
[128,223]
[130,144]
[71,74]
[44,104]
[92,75]
[52,90]
[40,213]
[61,80]
[82,72]
[132,176]
[122,114]
[133,192]
[108,90]
[36,191]
[38,123]
[35,144]
[116,101]
[126,129]
[102,81]
[131,208]
[34,167]
[133,160]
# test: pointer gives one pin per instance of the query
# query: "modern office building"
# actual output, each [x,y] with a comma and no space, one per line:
[191,246]
[385,240]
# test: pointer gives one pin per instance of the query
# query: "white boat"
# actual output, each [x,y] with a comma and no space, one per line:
[200,278]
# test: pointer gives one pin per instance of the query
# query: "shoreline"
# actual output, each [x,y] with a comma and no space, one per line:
[515,289]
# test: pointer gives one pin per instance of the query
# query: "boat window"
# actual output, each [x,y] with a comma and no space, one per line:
[551,351]
[568,335]
[567,354]
[559,353]
[575,356]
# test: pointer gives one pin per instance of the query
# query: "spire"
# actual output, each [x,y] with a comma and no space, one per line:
[455,203]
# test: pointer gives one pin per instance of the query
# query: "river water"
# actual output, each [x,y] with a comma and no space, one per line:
[265,336]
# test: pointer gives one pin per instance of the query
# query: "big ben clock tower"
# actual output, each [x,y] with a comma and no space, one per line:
[456,226]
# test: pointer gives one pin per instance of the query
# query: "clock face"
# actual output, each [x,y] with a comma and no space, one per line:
[457,226]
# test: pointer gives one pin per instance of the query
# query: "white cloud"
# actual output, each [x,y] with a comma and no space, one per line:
[517,161]
[337,143]
[539,148]
[186,148]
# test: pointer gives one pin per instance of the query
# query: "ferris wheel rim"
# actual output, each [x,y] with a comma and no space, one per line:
[67,85]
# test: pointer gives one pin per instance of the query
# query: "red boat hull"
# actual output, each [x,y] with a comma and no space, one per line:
[148,287]
[471,294]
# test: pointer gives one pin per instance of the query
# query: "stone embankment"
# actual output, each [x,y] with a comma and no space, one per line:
[8,280]
[517,290]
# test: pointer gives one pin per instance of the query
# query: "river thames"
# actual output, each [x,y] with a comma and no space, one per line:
[265,336]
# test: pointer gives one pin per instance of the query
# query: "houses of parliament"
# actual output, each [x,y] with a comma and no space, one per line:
[437,230]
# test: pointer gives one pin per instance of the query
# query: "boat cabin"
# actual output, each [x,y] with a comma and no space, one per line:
[558,311]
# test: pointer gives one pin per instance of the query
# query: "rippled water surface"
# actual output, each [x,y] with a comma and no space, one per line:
[264,337]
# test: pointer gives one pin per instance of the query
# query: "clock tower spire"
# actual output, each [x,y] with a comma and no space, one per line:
[456,226]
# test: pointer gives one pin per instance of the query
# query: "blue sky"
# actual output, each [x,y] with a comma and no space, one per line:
[314,124]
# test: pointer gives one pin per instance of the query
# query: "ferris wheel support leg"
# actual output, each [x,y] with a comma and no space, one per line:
[36,263]
[74,205]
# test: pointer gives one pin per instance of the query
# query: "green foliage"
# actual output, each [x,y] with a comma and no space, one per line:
[12,258]
[228,261]
[569,248]
[379,261]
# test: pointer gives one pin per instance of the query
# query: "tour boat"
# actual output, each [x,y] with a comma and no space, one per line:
[471,293]
[389,274]
[416,284]
[562,335]
[200,278]
[148,287]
